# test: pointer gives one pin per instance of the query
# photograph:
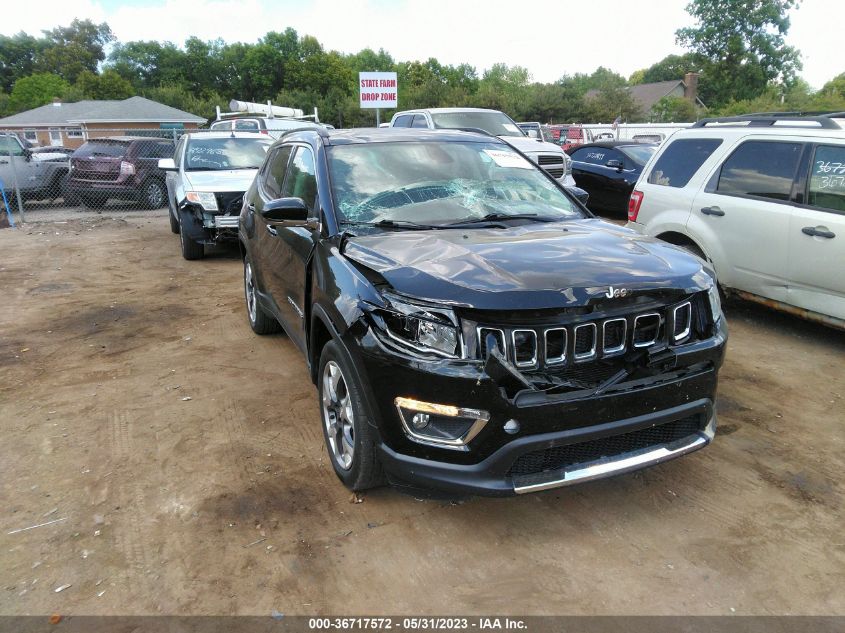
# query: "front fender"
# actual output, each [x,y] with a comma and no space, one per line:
[190,219]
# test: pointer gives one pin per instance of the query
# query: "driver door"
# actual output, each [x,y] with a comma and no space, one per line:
[293,245]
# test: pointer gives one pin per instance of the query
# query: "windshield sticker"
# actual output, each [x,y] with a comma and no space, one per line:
[510,127]
[507,159]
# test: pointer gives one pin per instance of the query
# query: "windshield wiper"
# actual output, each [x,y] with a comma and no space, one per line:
[392,224]
[500,217]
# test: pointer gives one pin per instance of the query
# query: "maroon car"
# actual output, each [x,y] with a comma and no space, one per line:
[122,168]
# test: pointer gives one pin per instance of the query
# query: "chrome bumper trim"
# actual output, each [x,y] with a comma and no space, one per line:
[226,221]
[622,463]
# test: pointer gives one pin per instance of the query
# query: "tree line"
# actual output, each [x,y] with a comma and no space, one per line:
[740,54]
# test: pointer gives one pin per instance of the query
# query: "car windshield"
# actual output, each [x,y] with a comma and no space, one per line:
[639,153]
[101,148]
[441,183]
[495,123]
[214,154]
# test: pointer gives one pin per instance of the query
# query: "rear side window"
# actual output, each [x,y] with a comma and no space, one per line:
[763,169]
[419,121]
[246,125]
[827,179]
[593,155]
[403,121]
[681,160]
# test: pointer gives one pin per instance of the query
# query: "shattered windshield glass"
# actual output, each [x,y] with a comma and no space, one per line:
[441,183]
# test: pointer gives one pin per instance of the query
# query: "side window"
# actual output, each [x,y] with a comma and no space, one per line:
[164,150]
[419,121]
[277,167]
[762,169]
[681,159]
[827,178]
[9,145]
[221,125]
[302,180]
[403,121]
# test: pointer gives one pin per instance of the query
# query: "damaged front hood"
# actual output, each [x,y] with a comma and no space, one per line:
[220,181]
[538,265]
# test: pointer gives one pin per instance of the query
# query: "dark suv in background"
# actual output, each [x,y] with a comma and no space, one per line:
[468,325]
[121,168]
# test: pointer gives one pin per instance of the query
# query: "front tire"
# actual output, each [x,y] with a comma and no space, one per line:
[260,322]
[346,422]
[190,249]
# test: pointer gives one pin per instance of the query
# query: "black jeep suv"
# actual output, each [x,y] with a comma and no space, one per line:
[469,326]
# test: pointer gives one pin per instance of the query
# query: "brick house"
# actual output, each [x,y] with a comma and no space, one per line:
[71,124]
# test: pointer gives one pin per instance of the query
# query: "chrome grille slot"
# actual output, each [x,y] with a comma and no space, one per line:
[681,321]
[613,336]
[585,342]
[550,159]
[646,329]
[524,348]
[555,339]
[482,341]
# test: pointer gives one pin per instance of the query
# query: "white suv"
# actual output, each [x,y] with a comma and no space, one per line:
[762,197]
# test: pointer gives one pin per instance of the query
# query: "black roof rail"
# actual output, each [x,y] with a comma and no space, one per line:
[768,119]
[801,113]
[321,131]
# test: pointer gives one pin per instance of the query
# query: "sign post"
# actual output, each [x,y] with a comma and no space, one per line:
[376,91]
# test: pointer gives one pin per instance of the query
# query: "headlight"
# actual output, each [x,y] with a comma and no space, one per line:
[206,199]
[715,302]
[567,164]
[420,327]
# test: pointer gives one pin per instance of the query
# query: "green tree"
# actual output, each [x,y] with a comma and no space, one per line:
[611,102]
[36,90]
[670,68]
[18,55]
[835,86]
[74,48]
[741,46]
[108,85]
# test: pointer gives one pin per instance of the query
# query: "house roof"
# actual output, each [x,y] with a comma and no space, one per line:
[131,110]
[647,95]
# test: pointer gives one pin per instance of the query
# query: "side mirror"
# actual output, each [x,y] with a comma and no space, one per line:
[27,154]
[292,211]
[167,164]
[532,134]
[615,164]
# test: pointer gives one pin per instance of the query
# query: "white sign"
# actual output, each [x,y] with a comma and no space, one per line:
[377,90]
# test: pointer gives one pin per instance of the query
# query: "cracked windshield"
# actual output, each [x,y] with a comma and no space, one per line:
[441,184]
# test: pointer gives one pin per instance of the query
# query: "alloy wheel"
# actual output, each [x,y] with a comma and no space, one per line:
[338,415]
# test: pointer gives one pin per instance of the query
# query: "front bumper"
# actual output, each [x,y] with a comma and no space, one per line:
[491,476]
[683,398]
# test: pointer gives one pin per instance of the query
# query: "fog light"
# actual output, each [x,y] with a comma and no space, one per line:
[442,425]
[511,427]
[420,420]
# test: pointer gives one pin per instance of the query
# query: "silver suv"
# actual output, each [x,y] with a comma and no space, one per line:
[762,197]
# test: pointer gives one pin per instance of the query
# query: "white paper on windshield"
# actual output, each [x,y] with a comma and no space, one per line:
[507,159]
[510,127]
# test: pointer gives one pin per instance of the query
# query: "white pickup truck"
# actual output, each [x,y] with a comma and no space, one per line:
[547,155]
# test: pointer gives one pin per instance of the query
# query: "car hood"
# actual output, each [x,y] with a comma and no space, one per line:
[220,181]
[530,145]
[533,266]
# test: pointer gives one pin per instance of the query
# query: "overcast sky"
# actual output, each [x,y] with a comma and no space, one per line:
[549,37]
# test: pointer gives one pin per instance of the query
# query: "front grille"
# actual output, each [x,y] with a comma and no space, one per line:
[555,345]
[552,460]
[550,159]
[552,163]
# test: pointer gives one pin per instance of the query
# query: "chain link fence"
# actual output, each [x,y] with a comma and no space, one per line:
[112,169]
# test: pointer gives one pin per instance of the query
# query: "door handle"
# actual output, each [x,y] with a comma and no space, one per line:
[712,211]
[272,230]
[818,232]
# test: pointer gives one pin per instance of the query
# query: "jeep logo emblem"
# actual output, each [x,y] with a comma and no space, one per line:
[615,293]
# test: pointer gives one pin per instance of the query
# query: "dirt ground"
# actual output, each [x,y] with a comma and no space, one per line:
[179,462]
